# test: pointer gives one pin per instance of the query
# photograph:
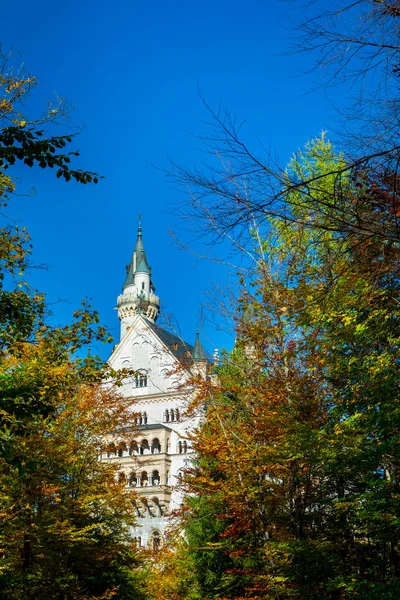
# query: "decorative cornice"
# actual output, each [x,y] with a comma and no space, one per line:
[131,304]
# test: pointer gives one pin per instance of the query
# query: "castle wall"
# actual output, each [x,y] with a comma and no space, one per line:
[160,415]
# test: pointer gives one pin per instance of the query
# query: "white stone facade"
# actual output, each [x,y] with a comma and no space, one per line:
[159,449]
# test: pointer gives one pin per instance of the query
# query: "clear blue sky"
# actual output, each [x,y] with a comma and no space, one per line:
[131,71]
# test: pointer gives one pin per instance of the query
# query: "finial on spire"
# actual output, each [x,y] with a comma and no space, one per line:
[139,223]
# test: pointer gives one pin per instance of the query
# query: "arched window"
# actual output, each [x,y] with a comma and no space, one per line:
[157,507]
[166,417]
[139,509]
[144,480]
[111,450]
[172,414]
[180,447]
[144,418]
[155,478]
[121,477]
[144,447]
[177,415]
[132,480]
[133,448]
[144,508]
[140,380]
[185,447]
[155,540]
[121,449]
[155,446]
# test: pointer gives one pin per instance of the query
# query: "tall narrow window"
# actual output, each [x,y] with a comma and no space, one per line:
[156,478]
[155,540]
[140,380]
[145,449]
[155,446]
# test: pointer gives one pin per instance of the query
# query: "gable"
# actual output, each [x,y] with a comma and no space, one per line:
[155,353]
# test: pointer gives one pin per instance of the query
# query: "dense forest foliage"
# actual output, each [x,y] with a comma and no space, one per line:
[295,489]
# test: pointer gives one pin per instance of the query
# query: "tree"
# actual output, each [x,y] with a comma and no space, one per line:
[23,310]
[239,186]
[173,576]
[297,458]
[27,140]
[65,519]
[356,42]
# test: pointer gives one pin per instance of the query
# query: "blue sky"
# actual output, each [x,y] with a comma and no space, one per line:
[131,71]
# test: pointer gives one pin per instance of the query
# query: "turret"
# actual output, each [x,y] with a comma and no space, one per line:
[200,362]
[138,295]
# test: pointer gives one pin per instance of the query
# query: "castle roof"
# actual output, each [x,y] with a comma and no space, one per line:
[198,353]
[139,262]
[179,348]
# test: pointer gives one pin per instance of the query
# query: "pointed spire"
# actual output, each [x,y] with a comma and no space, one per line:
[139,262]
[141,265]
[198,353]
[138,292]
[129,275]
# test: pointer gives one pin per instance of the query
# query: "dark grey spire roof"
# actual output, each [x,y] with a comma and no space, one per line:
[129,275]
[198,353]
[142,266]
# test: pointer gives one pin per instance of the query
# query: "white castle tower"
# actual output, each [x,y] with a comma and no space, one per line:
[159,449]
[138,295]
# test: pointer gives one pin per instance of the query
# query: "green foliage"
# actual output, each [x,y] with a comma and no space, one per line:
[298,459]
[209,557]
[64,519]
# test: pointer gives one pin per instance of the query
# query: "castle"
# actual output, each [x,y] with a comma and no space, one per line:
[151,462]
